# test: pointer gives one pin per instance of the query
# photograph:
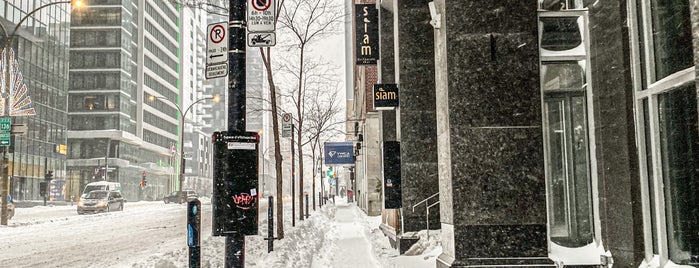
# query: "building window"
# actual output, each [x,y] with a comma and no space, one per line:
[567,153]
[667,130]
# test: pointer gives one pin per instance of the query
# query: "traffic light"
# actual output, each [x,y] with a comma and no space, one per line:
[49,175]
[330,172]
[143,183]
[42,188]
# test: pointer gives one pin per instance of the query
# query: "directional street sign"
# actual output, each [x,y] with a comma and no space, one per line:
[5,128]
[262,39]
[261,16]
[4,138]
[5,124]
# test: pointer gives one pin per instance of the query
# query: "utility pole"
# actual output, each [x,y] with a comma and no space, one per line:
[235,243]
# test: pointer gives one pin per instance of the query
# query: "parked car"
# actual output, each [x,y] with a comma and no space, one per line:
[187,195]
[100,201]
[10,207]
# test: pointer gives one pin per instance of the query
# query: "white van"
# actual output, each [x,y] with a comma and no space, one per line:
[102,185]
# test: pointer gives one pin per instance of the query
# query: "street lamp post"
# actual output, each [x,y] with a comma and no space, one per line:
[183,115]
[6,112]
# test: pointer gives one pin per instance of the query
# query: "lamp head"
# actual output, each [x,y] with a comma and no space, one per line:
[77,3]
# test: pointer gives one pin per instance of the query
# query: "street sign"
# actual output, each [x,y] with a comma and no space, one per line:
[5,128]
[218,70]
[261,16]
[5,138]
[262,39]
[217,44]
[286,125]
[5,124]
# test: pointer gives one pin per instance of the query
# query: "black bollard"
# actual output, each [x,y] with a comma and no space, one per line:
[307,206]
[270,225]
[193,229]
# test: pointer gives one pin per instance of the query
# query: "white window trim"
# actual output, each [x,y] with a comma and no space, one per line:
[650,91]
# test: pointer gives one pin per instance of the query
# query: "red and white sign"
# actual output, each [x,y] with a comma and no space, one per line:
[286,125]
[261,16]
[261,5]
[217,33]
[216,49]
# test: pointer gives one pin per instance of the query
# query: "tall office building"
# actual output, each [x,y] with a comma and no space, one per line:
[41,51]
[197,145]
[125,89]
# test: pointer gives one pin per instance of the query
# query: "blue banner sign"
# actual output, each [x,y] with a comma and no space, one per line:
[339,153]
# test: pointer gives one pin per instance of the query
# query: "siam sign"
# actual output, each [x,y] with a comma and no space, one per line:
[385,96]
[367,33]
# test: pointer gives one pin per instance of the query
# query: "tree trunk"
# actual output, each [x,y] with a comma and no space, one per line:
[277,150]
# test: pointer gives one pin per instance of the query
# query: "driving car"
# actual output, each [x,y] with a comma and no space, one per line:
[187,195]
[101,201]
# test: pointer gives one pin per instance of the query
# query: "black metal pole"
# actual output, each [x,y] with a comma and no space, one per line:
[235,243]
[293,182]
[270,224]
[235,251]
[46,182]
[306,206]
[236,66]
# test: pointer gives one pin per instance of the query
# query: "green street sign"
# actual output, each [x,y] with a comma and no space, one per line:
[5,138]
[5,124]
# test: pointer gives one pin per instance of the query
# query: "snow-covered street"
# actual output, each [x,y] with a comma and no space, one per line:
[153,234]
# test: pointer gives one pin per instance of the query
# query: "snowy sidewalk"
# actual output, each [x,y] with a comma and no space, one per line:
[353,247]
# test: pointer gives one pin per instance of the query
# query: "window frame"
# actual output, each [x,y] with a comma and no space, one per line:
[647,88]
[589,254]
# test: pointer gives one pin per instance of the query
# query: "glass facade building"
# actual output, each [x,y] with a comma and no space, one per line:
[41,45]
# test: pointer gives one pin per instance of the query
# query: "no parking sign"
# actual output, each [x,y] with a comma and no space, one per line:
[261,15]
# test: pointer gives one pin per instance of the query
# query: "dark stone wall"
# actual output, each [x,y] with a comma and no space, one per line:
[617,160]
[499,197]
[417,112]
[388,70]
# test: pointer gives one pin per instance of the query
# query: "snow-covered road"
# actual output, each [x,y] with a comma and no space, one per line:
[59,237]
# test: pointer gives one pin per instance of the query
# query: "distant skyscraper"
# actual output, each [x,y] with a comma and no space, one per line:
[121,55]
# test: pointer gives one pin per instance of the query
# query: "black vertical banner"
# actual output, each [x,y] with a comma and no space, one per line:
[367,33]
[391,175]
[235,204]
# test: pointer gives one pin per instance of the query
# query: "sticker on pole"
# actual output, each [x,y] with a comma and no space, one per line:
[261,16]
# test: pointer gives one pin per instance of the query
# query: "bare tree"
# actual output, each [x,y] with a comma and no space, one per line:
[307,21]
[322,118]
[266,54]
[216,7]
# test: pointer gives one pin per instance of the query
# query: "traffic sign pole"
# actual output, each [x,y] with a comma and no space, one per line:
[235,243]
